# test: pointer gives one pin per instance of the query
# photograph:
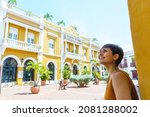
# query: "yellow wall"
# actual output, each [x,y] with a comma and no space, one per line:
[22,20]
[57,41]
[20,54]
[21,31]
[19,80]
[36,36]
[139,11]
[77,49]
[47,59]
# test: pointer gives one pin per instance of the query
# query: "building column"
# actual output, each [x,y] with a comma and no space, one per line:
[41,39]
[20,75]
[2,15]
[6,31]
[26,35]
[62,54]
[0,76]
[90,50]
[65,46]
[74,48]
[97,54]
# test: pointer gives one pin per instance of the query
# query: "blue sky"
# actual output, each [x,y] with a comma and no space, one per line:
[106,20]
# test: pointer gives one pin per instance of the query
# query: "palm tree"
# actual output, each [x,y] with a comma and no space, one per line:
[48,16]
[12,2]
[35,66]
[94,39]
[75,28]
[61,22]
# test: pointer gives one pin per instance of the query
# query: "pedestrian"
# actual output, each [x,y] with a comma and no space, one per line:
[119,85]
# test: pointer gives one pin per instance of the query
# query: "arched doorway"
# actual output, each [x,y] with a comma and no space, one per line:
[27,75]
[9,72]
[51,67]
[75,70]
[85,67]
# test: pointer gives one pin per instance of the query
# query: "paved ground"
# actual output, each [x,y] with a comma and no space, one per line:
[51,92]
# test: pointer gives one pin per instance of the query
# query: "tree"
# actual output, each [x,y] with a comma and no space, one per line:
[94,39]
[75,28]
[61,22]
[48,16]
[35,66]
[12,2]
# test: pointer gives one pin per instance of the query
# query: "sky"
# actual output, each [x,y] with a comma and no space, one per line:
[106,20]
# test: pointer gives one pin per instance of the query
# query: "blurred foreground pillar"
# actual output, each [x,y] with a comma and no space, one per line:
[139,12]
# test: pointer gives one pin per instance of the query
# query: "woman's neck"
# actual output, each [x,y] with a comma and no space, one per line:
[112,69]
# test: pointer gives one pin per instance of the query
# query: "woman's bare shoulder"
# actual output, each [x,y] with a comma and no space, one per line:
[118,75]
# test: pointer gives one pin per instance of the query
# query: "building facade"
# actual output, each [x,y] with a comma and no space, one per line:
[128,64]
[25,37]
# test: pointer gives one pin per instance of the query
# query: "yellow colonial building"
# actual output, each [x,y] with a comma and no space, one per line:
[26,37]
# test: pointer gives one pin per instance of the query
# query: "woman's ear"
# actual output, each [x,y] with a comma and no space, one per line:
[116,56]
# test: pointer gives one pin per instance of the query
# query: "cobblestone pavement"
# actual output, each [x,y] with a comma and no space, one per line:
[51,92]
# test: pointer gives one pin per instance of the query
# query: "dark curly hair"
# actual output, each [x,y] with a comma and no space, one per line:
[115,50]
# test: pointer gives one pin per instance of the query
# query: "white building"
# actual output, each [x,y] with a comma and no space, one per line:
[128,64]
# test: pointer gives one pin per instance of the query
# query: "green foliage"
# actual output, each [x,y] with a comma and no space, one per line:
[86,72]
[96,74]
[12,2]
[61,23]
[48,17]
[45,74]
[40,69]
[81,80]
[36,66]
[94,40]
[66,72]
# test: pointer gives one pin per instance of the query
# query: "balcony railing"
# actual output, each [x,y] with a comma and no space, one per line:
[73,55]
[72,38]
[21,45]
[132,64]
[95,44]
[124,65]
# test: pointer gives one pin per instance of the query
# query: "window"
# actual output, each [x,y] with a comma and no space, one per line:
[75,49]
[31,38]
[51,67]
[13,33]
[85,68]
[75,70]
[92,54]
[9,70]
[28,75]
[84,53]
[51,46]
[67,47]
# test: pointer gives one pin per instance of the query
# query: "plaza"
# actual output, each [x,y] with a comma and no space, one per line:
[52,92]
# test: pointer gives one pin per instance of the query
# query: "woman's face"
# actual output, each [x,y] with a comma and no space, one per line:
[106,57]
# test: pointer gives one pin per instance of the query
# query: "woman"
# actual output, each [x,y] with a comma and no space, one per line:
[120,86]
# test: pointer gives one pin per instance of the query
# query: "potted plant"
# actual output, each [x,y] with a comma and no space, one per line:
[44,75]
[81,80]
[37,67]
[66,74]
[97,77]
